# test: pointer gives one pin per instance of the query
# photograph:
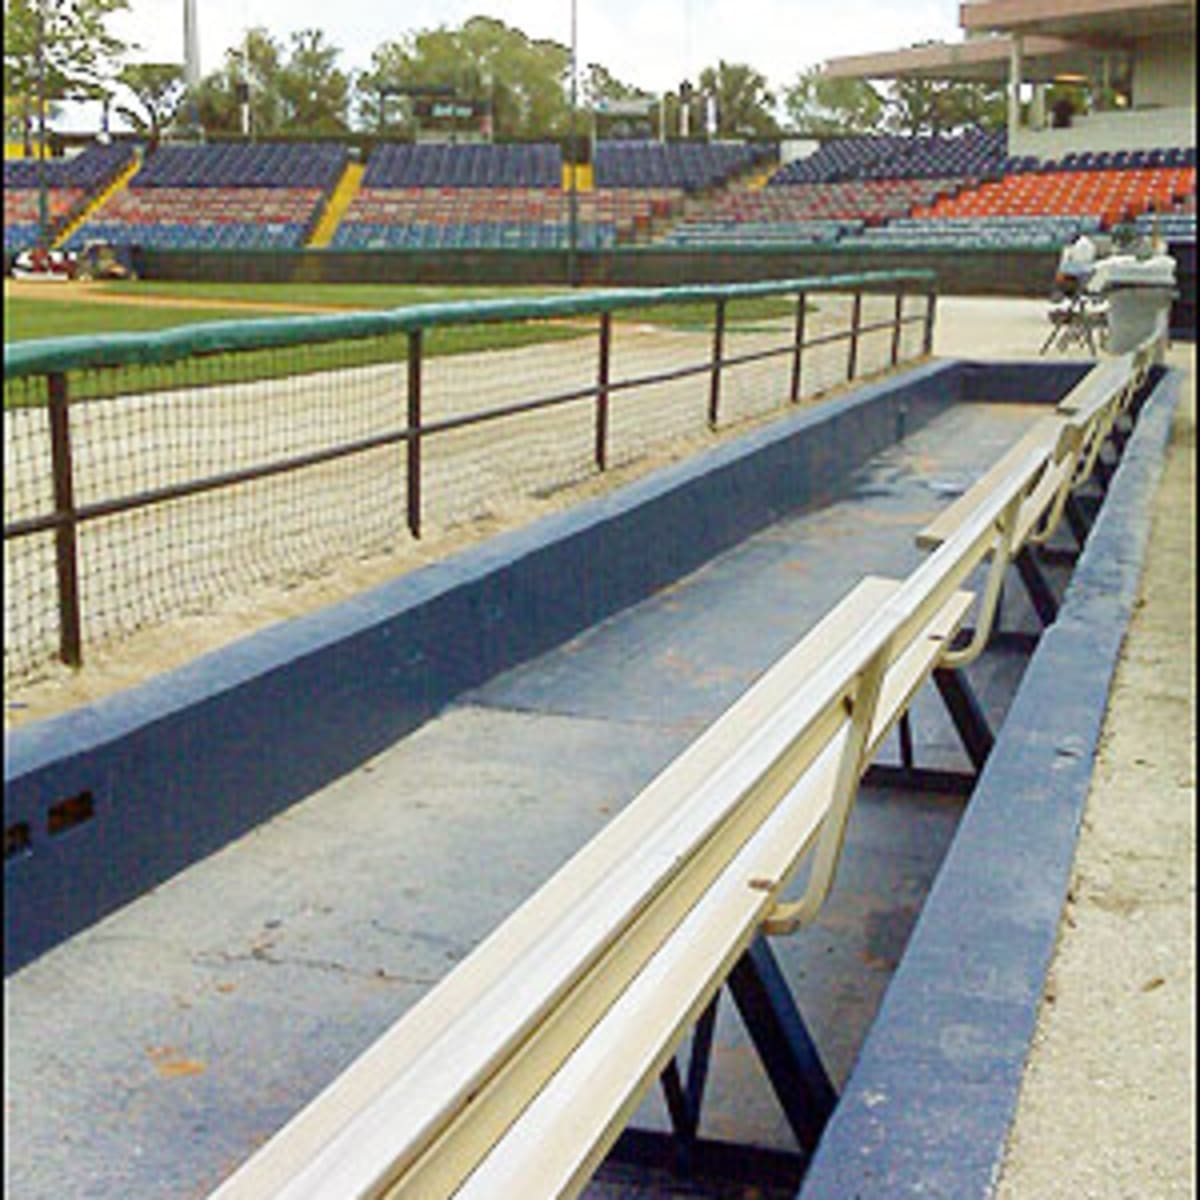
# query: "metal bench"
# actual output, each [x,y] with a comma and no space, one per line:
[518,1073]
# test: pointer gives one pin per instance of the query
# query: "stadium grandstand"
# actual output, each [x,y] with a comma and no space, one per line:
[235,196]
[1034,185]
[855,192]
[70,184]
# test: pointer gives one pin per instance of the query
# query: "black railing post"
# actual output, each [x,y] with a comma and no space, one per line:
[602,391]
[930,315]
[798,352]
[414,433]
[898,324]
[714,391]
[66,548]
[855,321]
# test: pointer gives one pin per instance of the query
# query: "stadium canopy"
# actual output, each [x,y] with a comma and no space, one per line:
[1103,24]
[981,60]
[1015,42]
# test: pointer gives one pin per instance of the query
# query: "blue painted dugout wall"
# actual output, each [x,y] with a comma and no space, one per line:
[927,1109]
[170,771]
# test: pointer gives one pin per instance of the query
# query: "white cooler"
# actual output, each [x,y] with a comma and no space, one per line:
[1139,292]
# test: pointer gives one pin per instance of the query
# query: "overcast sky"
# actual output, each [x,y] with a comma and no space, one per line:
[652,43]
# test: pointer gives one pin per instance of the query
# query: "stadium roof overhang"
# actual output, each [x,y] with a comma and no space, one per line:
[1102,24]
[980,60]
[1058,37]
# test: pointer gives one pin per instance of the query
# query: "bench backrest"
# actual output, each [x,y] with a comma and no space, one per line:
[1069,441]
[418,1111]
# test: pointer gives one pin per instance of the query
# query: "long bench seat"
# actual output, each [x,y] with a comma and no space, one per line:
[516,1074]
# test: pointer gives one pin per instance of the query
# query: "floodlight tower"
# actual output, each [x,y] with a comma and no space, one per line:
[191,58]
[573,193]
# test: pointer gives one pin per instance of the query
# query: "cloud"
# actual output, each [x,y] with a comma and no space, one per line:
[653,43]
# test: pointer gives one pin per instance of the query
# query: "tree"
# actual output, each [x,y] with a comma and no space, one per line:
[597,83]
[79,53]
[300,90]
[824,107]
[314,92]
[255,65]
[158,91]
[524,81]
[917,106]
[745,108]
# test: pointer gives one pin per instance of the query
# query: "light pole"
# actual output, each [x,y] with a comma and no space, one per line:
[43,203]
[572,192]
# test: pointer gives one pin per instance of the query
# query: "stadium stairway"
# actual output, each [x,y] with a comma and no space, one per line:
[97,201]
[339,201]
[584,177]
[758,178]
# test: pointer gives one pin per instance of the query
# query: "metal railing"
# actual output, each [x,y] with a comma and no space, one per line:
[185,370]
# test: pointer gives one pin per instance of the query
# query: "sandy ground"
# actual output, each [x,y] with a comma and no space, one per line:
[162,586]
[1107,1111]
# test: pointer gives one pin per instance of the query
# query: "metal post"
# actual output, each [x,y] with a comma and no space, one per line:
[66,548]
[784,1044]
[967,714]
[1016,71]
[855,321]
[573,194]
[930,315]
[43,203]
[798,352]
[1041,596]
[714,391]
[896,327]
[602,391]
[414,433]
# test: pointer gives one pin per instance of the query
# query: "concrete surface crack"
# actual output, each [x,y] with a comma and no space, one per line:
[261,954]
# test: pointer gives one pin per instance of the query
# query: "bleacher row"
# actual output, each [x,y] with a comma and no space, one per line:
[1049,207]
[70,184]
[859,192]
[508,217]
[205,217]
[892,156]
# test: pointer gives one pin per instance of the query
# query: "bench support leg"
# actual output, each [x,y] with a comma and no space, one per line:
[783,1043]
[966,713]
[904,729]
[793,1067]
[909,777]
[1044,603]
[684,1102]
[1077,520]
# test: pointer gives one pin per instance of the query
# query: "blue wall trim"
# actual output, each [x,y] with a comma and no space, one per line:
[182,765]
[927,1109]
[1034,381]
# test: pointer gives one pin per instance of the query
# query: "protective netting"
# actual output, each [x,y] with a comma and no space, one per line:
[201,477]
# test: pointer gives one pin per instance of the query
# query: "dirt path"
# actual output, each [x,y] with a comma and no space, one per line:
[88,292]
[163,585]
[1107,1110]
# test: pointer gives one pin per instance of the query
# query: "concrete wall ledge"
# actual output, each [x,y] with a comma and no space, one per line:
[169,772]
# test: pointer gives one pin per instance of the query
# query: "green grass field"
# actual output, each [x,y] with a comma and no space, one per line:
[124,309]
[31,317]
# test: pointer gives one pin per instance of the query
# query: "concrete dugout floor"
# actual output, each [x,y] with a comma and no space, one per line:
[148,1056]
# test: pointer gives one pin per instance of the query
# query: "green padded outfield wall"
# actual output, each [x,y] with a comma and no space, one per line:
[960,272]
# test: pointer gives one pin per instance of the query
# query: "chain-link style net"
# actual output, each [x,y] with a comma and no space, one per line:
[193,479]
